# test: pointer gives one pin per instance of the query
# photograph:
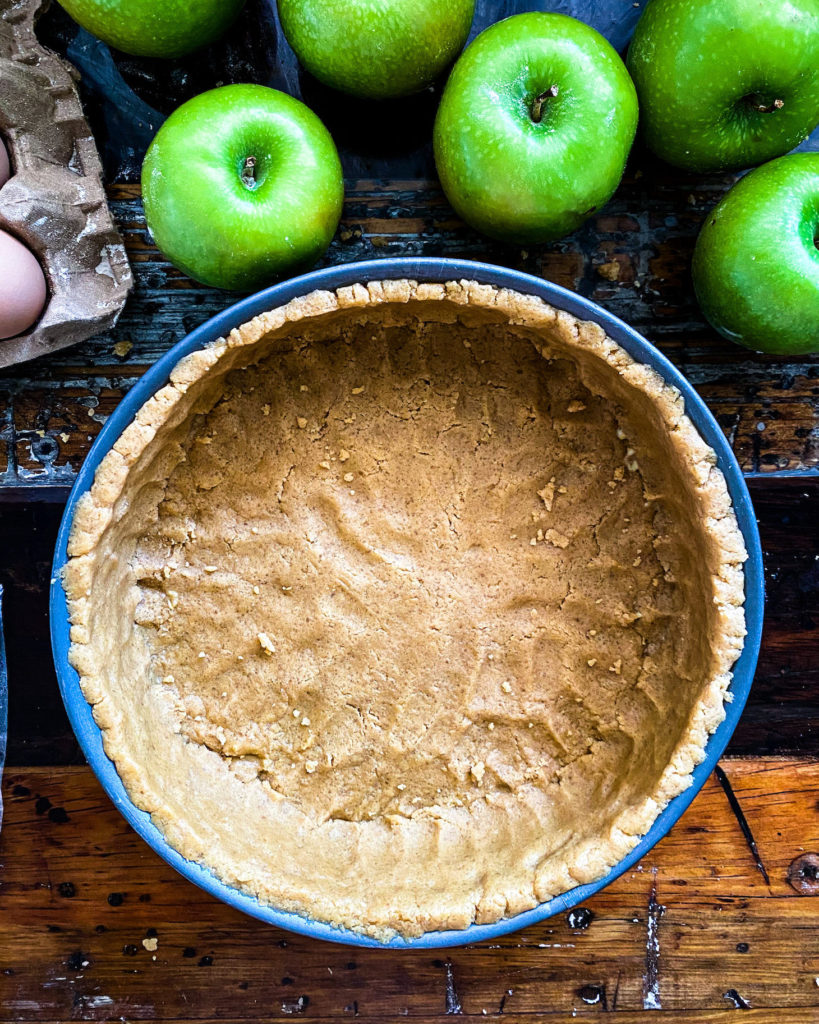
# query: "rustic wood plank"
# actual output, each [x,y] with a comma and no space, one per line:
[633,259]
[81,895]
[791,1015]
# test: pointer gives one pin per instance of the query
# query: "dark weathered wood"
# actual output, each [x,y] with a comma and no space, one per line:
[790,1015]
[633,259]
[778,1015]
[80,895]
[782,714]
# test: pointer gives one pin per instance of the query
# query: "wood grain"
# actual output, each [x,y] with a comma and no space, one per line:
[789,1015]
[81,895]
[633,259]
[778,1015]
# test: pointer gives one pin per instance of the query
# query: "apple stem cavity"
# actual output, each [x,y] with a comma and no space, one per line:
[764,108]
[249,173]
[540,101]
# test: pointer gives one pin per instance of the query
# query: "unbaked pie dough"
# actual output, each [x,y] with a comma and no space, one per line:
[407,606]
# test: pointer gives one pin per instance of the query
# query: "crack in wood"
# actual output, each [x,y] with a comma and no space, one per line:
[739,814]
[453,1002]
[651,978]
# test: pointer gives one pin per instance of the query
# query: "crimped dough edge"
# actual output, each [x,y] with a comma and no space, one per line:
[586,861]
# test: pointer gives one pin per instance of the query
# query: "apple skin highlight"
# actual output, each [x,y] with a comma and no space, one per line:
[726,84]
[241,185]
[155,28]
[534,128]
[376,49]
[756,262]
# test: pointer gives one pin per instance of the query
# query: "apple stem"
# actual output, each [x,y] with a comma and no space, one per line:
[768,108]
[249,172]
[539,102]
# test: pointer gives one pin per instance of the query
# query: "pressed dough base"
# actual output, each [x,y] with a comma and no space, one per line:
[436,596]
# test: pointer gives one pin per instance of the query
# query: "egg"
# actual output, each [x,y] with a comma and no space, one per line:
[5,165]
[23,288]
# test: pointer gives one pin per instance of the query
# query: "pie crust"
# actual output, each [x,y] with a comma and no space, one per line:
[407,606]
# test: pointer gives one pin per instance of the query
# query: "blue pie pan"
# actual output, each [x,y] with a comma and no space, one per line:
[429,269]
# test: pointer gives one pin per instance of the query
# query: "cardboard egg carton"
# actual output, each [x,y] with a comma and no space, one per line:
[55,202]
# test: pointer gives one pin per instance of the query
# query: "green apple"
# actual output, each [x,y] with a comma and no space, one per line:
[756,264]
[726,84]
[241,185]
[154,28]
[534,128]
[376,48]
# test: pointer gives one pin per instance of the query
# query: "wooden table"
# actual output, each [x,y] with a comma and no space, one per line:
[719,918]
